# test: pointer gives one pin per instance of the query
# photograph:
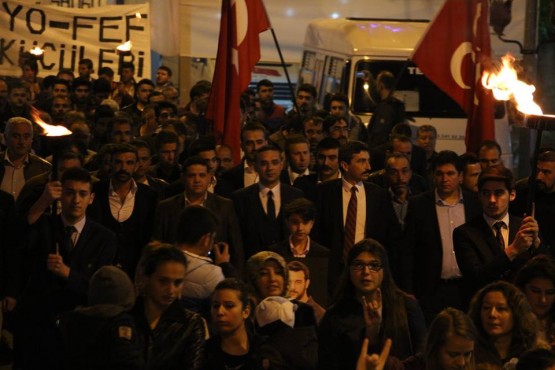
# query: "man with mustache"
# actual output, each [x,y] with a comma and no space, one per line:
[351,209]
[544,196]
[125,207]
[327,168]
[430,269]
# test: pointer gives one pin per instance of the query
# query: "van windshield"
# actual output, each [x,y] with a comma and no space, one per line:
[421,97]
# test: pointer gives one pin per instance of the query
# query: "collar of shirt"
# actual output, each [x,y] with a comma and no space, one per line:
[305,250]
[490,221]
[79,225]
[338,177]
[347,186]
[294,175]
[392,194]
[264,190]
[188,202]
[144,182]
[133,189]
[9,162]
[193,255]
[441,202]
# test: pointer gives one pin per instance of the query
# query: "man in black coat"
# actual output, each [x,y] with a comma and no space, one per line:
[125,207]
[259,206]
[64,251]
[375,217]
[495,245]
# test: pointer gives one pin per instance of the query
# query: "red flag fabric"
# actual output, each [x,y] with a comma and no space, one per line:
[238,53]
[452,54]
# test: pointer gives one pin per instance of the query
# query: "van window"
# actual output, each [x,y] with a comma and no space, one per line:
[421,97]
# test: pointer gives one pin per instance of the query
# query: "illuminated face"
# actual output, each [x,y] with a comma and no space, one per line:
[20,139]
[340,131]
[298,285]
[18,97]
[28,73]
[313,131]
[540,293]
[127,74]
[84,71]
[358,168]
[305,101]
[60,90]
[299,157]
[227,311]
[269,165]
[76,197]
[144,162]
[121,133]
[489,157]
[496,315]
[495,199]
[196,179]
[224,157]
[167,154]
[60,106]
[397,172]
[82,92]
[210,156]
[338,108]
[403,147]
[252,141]
[162,76]
[165,284]
[271,279]
[328,162]
[546,176]
[456,353]
[266,92]
[447,179]
[427,141]
[365,280]
[470,177]
[299,228]
[143,91]
[124,166]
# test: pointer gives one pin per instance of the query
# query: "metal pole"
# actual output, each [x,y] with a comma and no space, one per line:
[291,91]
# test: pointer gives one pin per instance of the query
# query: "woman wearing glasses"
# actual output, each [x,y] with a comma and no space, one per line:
[369,305]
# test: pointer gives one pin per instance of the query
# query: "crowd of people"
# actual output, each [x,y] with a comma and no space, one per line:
[137,242]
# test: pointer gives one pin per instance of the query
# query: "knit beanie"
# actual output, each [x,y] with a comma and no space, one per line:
[256,262]
[274,309]
[109,285]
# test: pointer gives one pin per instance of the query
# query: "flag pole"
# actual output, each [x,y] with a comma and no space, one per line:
[278,48]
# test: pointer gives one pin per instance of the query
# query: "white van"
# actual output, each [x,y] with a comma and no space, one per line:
[346,55]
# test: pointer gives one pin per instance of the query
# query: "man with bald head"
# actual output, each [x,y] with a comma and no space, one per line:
[17,164]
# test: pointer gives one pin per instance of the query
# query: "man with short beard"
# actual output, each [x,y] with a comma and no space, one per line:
[271,114]
[544,196]
[125,207]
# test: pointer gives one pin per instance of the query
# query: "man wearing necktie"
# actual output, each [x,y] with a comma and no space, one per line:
[495,245]
[62,254]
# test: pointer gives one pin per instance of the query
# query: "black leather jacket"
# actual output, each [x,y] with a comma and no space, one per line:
[177,342]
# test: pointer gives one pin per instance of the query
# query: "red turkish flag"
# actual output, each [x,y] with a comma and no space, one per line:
[452,54]
[238,53]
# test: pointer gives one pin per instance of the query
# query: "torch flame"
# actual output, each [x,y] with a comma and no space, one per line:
[49,130]
[138,15]
[125,47]
[36,51]
[505,85]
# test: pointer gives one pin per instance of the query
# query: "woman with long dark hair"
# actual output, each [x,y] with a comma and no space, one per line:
[369,305]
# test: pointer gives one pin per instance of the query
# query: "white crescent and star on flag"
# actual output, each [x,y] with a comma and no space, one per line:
[242,24]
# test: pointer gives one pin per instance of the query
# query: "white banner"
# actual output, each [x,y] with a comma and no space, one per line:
[68,35]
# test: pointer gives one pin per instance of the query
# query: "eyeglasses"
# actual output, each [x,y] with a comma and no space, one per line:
[372,266]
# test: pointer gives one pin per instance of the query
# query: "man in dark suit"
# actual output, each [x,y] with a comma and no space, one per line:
[63,251]
[253,137]
[430,269]
[300,215]
[259,206]
[125,207]
[495,245]
[297,153]
[351,209]
[327,168]
[196,180]
[141,175]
